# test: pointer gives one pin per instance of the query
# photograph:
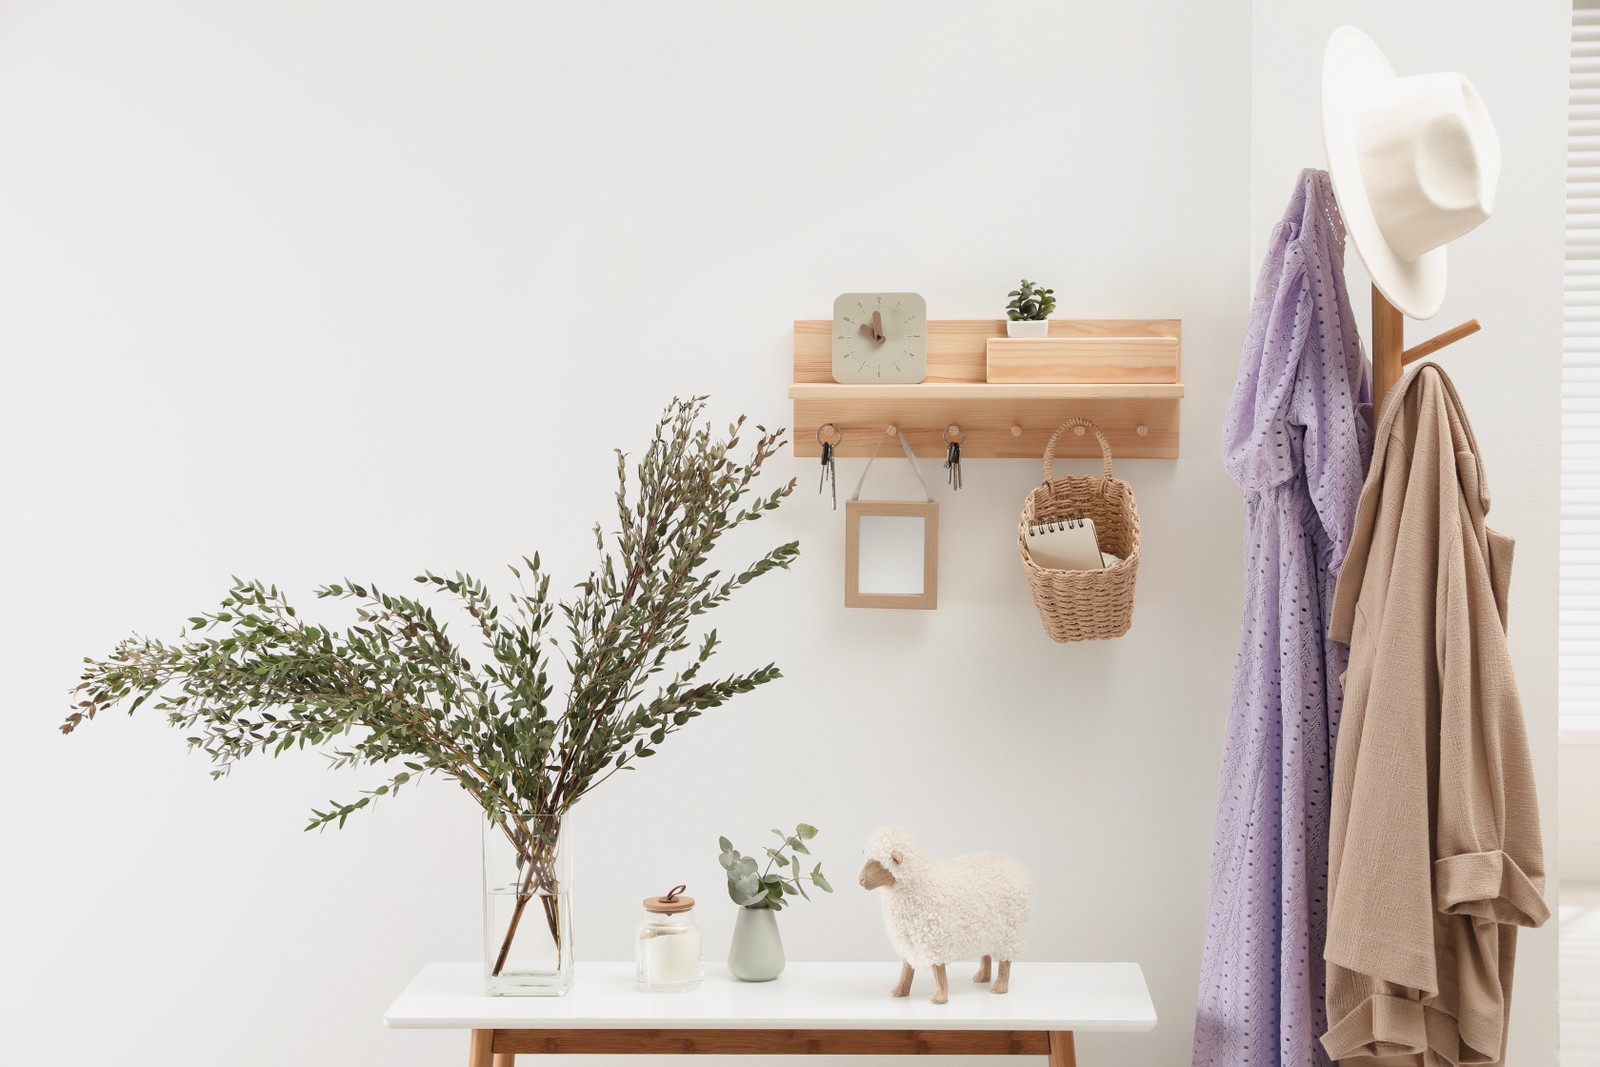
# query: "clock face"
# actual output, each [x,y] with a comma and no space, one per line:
[880,338]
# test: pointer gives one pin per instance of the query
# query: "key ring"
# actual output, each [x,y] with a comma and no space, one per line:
[830,475]
[953,436]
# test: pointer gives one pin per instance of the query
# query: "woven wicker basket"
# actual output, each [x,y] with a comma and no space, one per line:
[1089,604]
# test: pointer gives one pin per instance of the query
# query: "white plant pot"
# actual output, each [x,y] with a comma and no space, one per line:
[1027,327]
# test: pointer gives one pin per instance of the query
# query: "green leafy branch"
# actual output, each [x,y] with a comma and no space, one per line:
[750,886]
[397,690]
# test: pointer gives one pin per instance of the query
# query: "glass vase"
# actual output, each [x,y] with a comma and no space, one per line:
[527,906]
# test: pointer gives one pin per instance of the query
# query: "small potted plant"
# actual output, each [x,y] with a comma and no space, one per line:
[1028,311]
[756,954]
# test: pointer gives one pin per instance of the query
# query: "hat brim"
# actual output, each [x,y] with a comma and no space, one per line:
[1353,69]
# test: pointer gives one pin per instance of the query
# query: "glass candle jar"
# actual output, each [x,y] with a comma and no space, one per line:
[671,945]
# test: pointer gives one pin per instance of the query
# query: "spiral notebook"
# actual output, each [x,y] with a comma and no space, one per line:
[1067,545]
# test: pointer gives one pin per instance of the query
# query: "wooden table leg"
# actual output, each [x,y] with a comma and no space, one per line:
[481,1052]
[1062,1053]
[505,1059]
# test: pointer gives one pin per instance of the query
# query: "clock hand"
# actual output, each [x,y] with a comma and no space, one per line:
[875,329]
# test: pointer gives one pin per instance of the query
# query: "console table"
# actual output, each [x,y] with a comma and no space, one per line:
[841,1009]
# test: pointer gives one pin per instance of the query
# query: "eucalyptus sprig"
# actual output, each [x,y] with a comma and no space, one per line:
[398,691]
[750,886]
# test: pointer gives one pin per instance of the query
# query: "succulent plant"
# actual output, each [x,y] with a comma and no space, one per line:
[1030,302]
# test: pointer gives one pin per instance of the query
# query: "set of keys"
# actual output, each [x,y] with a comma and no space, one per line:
[830,477]
[952,455]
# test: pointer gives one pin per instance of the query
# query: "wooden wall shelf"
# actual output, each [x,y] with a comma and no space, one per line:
[1001,421]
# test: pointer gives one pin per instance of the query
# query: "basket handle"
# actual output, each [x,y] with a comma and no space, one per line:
[1105,451]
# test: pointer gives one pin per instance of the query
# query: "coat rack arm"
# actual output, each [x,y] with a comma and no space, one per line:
[1433,344]
[1389,354]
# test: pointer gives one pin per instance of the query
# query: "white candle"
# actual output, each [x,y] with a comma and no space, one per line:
[674,958]
[671,945]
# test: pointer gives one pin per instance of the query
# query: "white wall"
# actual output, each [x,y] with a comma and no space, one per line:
[305,291]
[1508,275]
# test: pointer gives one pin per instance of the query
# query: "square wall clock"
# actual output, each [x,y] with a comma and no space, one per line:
[880,338]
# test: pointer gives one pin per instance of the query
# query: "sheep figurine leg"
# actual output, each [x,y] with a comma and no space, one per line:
[938,912]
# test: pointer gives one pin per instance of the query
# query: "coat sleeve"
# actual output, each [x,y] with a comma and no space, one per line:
[1259,446]
[1489,859]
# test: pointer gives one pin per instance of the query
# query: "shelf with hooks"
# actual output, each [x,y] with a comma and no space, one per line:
[993,420]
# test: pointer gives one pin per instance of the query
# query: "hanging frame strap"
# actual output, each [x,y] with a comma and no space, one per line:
[911,458]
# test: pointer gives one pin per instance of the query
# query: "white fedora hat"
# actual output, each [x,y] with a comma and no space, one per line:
[1414,163]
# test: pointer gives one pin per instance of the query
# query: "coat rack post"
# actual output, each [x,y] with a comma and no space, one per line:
[1388,349]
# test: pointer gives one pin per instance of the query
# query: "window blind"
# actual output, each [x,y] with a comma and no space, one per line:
[1580,387]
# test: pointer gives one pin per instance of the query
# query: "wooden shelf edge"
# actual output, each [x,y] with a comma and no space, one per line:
[770,1042]
[956,392]
[1030,450]
[1137,427]
[1071,341]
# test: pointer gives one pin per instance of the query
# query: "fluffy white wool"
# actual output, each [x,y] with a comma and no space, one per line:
[945,911]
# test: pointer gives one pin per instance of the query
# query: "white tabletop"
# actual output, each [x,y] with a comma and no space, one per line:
[807,996]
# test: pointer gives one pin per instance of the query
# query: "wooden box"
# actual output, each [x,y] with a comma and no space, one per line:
[1066,360]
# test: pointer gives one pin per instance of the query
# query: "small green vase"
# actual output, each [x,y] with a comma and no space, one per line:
[756,954]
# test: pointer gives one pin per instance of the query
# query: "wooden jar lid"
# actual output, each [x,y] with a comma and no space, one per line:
[670,904]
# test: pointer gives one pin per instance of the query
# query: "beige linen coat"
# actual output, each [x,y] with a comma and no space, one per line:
[1434,854]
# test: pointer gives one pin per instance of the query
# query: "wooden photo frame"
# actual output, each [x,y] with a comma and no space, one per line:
[874,595]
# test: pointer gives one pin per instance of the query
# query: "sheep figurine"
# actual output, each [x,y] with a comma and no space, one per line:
[944,911]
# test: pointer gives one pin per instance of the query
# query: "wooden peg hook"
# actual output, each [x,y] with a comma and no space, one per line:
[1389,354]
[1433,344]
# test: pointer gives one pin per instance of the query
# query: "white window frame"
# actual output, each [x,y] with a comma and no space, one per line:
[1579,688]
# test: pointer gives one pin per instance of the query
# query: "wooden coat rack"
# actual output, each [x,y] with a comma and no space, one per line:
[1389,353]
